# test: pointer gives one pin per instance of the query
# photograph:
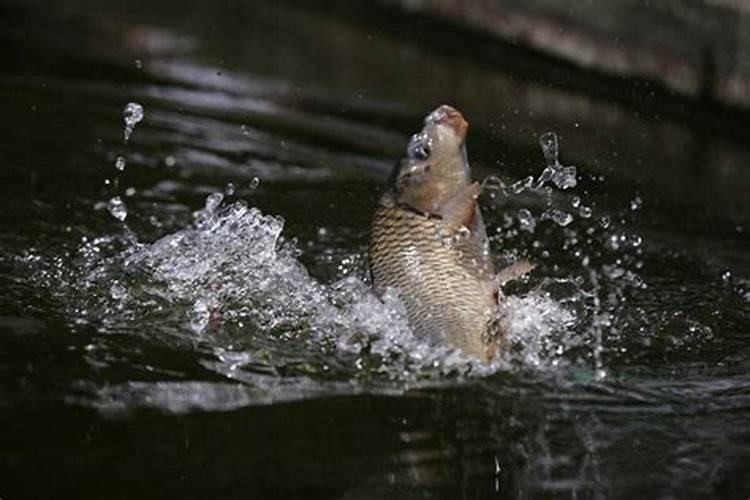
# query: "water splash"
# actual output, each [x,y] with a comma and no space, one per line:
[564,177]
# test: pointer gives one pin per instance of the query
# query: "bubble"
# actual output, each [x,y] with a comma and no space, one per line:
[604,222]
[117,208]
[120,163]
[575,202]
[254,183]
[585,212]
[132,115]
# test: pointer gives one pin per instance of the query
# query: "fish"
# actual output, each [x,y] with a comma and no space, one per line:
[428,242]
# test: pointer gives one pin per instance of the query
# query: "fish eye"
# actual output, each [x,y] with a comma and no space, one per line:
[420,152]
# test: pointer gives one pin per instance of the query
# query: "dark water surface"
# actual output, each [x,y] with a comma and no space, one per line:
[228,346]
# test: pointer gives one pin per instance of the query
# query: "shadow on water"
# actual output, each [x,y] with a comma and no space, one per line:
[223,341]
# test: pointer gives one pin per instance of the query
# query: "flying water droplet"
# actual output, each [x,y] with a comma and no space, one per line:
[229,189]
[200,315]
[635,203]
[254,183]
[117,208]
[526,220]
[558,217]
[120,163]
[548,142]
[213,201]
[132,115]
[493,183]
[565,177]
[519,187]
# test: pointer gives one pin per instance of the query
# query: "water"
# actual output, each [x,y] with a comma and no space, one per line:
[200,321]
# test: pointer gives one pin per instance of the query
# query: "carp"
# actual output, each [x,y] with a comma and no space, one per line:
[428,241]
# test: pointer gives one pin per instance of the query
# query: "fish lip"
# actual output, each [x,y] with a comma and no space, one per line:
[450,116]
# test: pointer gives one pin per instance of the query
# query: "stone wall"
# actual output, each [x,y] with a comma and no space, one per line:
[699,48]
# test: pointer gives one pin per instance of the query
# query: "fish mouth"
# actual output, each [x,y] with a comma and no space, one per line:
[450,116]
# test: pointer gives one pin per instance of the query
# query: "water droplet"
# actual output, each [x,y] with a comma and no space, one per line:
[604,222]
[585,212]
[132,114]
[575,202]
[548,141]
[726,276]
[636,240]
[213,201]
[117,208]
[254,183]
[229,189]
[120,163]
[139,64]
[635,203]
[565,177]
[493,183]
[520,186]
[558,216]
[169,161]
[200,315]
[526,220]
[130,192]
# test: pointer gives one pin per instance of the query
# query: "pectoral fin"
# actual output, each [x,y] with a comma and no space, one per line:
[513,272]
[460,209]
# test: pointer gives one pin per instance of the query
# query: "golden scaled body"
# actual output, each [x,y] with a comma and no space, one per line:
[445,283]
[429,244]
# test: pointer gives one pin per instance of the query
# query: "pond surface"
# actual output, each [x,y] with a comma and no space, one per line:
[184,298]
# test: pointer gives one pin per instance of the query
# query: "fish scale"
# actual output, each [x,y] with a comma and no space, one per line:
[443,296]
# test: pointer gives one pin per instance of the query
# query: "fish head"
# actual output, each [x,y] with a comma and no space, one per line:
[435,165]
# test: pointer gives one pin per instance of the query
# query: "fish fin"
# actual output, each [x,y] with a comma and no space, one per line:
[513,272]
[460,209]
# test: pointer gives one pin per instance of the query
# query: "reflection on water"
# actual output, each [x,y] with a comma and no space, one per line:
[221,322]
